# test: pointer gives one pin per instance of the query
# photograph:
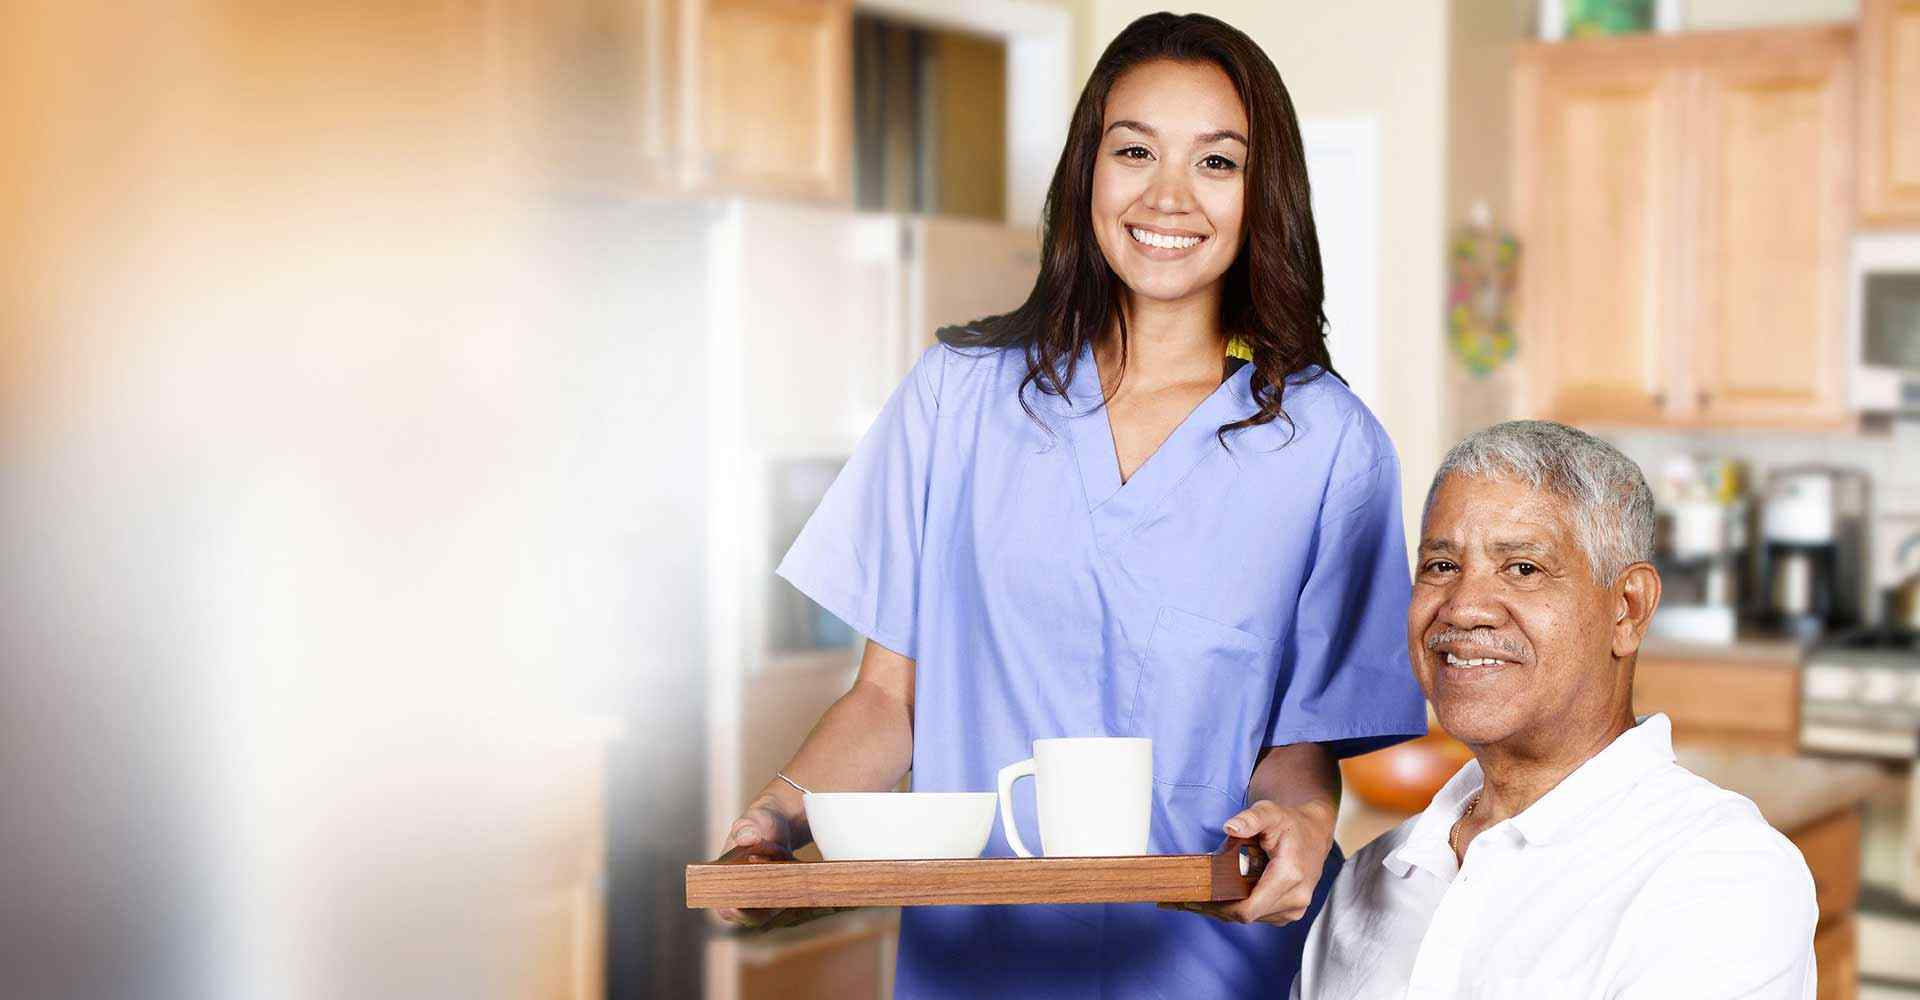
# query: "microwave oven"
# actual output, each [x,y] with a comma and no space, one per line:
[1885,323]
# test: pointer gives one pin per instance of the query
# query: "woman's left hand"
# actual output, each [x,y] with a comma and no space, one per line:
[1296,839]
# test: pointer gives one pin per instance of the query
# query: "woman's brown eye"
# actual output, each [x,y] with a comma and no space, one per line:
[1219,163]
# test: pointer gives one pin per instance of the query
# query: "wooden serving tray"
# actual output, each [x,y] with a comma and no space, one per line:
[755,881]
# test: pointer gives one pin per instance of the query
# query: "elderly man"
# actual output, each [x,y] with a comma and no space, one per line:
[1572,857]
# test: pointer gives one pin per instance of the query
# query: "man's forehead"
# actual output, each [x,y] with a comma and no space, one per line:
[1498,544]
[1500,515]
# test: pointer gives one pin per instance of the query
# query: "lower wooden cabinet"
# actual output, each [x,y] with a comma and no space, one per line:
[1837,951]
[845,957]
[1739,704]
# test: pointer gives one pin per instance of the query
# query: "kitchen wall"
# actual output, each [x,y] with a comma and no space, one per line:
[1481,37]
[1387,60]
[1710,15]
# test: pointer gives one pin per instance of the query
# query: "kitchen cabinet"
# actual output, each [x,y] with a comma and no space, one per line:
[1890,112]
[769,98]
[675,97]
[849,956]
[1836,954]
[1832,848]
[1683,204]
[1744,697]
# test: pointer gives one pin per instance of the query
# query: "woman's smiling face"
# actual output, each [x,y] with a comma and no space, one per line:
[1169,185]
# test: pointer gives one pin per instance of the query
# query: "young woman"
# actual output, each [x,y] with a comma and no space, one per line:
[1085,518]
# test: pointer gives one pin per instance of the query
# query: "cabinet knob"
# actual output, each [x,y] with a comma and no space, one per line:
[1659,400]
[1704,398]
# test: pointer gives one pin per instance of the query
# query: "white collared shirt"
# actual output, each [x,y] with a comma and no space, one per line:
[1632,878]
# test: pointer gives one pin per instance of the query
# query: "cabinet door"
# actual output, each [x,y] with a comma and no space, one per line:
[580,96]
[1598,196]
[775,105]
[1890,112]
[1773,175]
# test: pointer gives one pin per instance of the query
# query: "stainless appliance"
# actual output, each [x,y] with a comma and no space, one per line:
[1860,695]
[1885,308]
[1810,567]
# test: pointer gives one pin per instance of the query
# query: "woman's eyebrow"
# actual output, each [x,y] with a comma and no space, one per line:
[1225,133]
[1203,138]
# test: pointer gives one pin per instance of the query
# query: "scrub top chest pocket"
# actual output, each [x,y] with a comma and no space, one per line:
[1205,693]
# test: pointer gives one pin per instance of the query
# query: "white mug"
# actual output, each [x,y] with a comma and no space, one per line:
[1095,796]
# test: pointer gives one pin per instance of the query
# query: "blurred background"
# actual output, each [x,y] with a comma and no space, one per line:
[403,404]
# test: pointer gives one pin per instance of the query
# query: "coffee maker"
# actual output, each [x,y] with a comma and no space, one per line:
[1701,531]
[1810,566]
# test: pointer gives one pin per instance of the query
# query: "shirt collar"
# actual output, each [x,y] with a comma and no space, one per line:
[1634,754]
[1426,846]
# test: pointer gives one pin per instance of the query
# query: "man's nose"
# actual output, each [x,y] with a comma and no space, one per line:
[1169,193]
[1472,603]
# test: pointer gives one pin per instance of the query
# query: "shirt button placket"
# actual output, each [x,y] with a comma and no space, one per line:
[1436,968]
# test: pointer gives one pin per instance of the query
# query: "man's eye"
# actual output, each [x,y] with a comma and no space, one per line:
[1441,566]
[1525,568]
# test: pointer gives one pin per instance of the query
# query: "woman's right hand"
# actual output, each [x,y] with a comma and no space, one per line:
[764,830]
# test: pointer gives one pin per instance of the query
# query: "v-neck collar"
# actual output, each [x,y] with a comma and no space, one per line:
[1117,506]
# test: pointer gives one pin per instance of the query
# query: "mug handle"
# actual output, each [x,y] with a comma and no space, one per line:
[1008,775]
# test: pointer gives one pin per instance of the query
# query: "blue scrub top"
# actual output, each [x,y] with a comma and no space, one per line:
[1220,601]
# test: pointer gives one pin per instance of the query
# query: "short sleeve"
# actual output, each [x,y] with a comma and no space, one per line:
[1346,679]
[859,554]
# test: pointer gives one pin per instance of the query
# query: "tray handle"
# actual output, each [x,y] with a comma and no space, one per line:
[1237,866]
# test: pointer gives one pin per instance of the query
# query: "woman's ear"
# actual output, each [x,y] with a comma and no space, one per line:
[1636,595]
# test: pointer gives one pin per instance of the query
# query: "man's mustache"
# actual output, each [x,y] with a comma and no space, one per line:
[1477,637]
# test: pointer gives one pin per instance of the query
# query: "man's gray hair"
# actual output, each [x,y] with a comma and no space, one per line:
[1611,505]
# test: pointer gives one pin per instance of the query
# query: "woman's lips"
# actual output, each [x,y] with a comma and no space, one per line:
[1164,246]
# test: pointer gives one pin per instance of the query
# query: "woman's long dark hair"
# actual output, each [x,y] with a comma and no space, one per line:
[1273,292]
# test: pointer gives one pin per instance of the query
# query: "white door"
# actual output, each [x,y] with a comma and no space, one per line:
[1343,163]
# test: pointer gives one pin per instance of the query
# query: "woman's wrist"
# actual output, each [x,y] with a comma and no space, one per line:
[787,809]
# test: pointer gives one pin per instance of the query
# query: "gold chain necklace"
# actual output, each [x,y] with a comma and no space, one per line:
[1453,834]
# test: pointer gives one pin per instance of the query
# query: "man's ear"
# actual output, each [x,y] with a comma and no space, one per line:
[1635,596]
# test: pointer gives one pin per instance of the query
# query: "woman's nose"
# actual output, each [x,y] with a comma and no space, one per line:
[1169,193]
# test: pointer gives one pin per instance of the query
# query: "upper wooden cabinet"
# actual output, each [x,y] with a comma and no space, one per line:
[1765,309]
[1602,238]
[768,99]
[1890,112]
[1683,204]
[675,97]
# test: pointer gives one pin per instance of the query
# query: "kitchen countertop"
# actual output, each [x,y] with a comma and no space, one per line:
[1790,791]
[1756,647]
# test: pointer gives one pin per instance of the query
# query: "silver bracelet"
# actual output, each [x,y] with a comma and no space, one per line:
[798,787]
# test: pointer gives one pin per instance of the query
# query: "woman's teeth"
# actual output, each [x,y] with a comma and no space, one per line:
[1153,239]
[1455,661]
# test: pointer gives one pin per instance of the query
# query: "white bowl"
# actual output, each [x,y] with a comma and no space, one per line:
[894,826]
